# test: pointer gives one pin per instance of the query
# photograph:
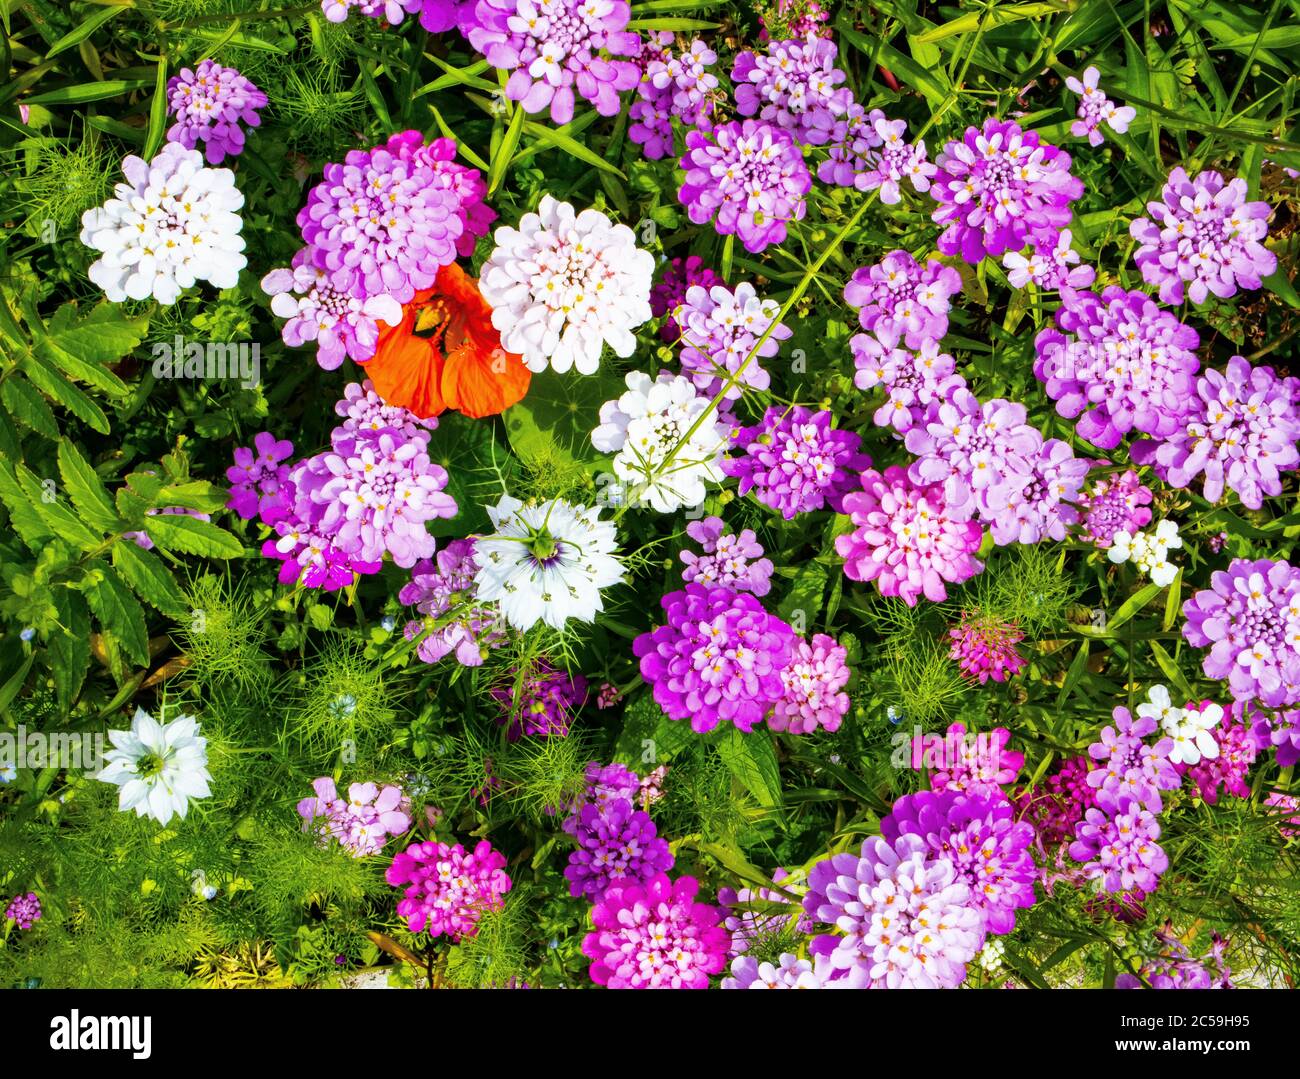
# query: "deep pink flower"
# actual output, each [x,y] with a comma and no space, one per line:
[448,890]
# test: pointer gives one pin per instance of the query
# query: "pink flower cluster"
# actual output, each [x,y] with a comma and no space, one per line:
[985,648]
[1115,503]
[900,297]
[443,591]
[447,888]
[363,821]
[734,562]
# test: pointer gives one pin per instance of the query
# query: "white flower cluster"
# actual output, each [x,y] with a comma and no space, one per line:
[563,285]
[1192,728]
[642,428]
[173,223]
[1149,551]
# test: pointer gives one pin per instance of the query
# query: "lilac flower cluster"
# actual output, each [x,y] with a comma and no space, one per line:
[553,47]
[916,382]
[542,704]
[616,842]
[674,87]
[1239,430]
[748,178]
[24,910]
[734,562]
[718,657]
[258,475]
[1095,108]
[363,821]
[1281,730]
[985,648]
[670,293]
[795,463]
[794,85]
[443,591]
[1055,267]
[813,688]
[870,152]
[1000,188]
[900,297]
[1128,768]
[1120,849]
[906,539]
[339,512]
[448,888]
[791,972]
[988,848]
[1205,235]
[209,104]
[1250,619]
[1115,503]
[720,327]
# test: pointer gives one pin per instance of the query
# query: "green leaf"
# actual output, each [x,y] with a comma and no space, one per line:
[22,514]
[1173,601]
[570,146]
[1072,676]
[118,611]
[87,27]
[69,647]
[157,112]
[149,577]
[195,495]
[1171,670]
[60,520]
[63,392]
[86,488]
[1132,605]
[751,758]
[28,407]
[551,426]
[502,157]
[87,91]
[15,682]
[176,532]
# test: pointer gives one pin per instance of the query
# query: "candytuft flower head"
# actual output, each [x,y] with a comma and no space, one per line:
[731,561]
[546,562]
[209,104]
[667,297]
[900,298]
[449,889]
[720,328]
[1095,108]
[159,767]
[563,285]
[814,683]
[363,821]
[795,86]
[172,224]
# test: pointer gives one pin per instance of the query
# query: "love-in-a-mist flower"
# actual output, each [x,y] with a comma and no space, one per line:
[210,103]
[553,48]
[1049,266]
[1204,235]
[363,821]
[1148,551]
[616,843]
[655,935]
[998,188]
[985,648]
[814,682]
[454,622]
[1095,109]
[1113,504]
[258,476]
[563,285]
[160,767]
[906,918]
[172,224]
[1249,618]
[1119,849]
[748,178]
[869,152]
[720,328]
[900,297]
[670,293]
[1118,362]
[718,658]
[24,910]
[916,382]
[1239,431]
[729,561]
[448,889]
[795,462]
[546,562]
[905,538]
[341,324]
[386,220]
[794,85]
[654,419]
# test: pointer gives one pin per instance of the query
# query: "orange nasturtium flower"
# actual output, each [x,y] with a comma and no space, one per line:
[445,354]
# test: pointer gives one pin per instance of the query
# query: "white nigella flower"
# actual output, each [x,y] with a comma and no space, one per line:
[159,766]
[546,562]
[1193,735]
[562,286]
[645,424]
[172,223]
[1149,551]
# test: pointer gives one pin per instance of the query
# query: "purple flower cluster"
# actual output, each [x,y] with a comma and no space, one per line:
[1250,619]
[906,539]
[363,821]
[734,562]
[542,704]
[870,152]
[258,475]
[1128,768]
[1280,730]
[791,972]
[1120,849]
[985,648]
[443,590]
[1121,362]
[900,297]
[1238,430]
[814,683]
[998,189]
[748,178]
[980,836]
[795,463]
[718,657]
[209,104]
[916,382]
[670,293]
[448,889]
[980,770]
[1205,235]
[339,512]
[24,910]
[1176,968]
[616,843]
[720,327]
[1095,108]
[794,85]
[1238,746]
[1049,266]
[553,47]
[1115,503]
[387,219]
[678,87]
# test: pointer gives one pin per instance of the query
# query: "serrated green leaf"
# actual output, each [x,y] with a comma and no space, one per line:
[29,525]
[195,495]
[28,407]
[177,532]
[149,577]
[119,613]
[86,489]
[63,392]
[69,647]
[60,520]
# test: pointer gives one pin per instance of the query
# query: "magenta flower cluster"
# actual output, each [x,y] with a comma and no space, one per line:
[540,703]
[747,177]
[670,293]
[900,297]
[1116,502]
[443,591]
[362,822]
[1203,238]
[794,85]
[734,562]
[1238,746]
[813,684]
[981,769]
[916,383]
[210,103]
[1058,803]
[258,476]
[448,889]
[985,648]
[24,910]
[906,539]
[794,462]
[674,87]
